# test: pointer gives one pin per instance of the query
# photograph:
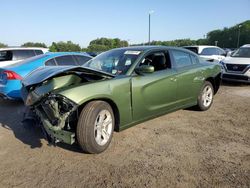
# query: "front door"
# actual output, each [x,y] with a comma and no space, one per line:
[154,93]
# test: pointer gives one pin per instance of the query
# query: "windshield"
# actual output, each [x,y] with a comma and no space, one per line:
[242,52]
[116,62]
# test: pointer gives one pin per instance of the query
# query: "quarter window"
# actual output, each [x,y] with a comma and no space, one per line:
[65,60]
[195,60]
[50,62]
[81,59]
[182,59]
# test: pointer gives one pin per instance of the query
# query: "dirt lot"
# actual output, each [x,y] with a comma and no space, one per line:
[181,149]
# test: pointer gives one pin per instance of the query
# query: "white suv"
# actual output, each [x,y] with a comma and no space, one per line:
[209,53]
[9,56]
[237,66]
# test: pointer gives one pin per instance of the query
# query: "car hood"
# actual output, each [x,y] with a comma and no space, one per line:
[44,73]
[237,60]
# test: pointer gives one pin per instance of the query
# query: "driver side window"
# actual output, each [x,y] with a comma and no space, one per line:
[159,60]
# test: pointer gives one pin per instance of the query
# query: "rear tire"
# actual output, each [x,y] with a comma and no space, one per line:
[95,127]
[206,96]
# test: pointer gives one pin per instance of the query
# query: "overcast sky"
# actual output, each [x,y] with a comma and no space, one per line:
[82,21]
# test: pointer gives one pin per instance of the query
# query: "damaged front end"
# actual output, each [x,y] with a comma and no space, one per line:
[57,113]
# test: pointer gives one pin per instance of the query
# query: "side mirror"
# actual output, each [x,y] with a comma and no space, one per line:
[144,69]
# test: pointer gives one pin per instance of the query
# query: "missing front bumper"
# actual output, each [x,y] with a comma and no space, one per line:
[56,136]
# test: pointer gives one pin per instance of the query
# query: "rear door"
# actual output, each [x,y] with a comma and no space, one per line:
[189,76]
[154,93]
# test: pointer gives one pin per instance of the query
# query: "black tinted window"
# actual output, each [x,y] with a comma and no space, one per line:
[50,62]
[182,59]
[39,52]
[22,54]
[209,51]
[6,55]
[81,59]
[65,60]
[193,49]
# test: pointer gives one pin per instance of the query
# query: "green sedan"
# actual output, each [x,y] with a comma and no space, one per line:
[116,90]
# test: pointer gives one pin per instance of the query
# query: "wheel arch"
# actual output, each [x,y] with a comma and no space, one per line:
[113,106]
[215,81]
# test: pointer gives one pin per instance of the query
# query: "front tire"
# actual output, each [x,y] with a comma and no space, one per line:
[205,99]
[95,127]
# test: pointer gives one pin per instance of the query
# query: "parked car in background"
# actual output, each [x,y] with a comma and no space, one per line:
[13,55]
[11,76]
[117,89]
[237,66]
[209,53]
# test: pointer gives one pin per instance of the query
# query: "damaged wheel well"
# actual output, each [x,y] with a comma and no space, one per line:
[113,106]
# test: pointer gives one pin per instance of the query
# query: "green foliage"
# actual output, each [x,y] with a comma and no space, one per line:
[228,37]
[178,42]
[3,45]
[103,44]
[34,44]
[64,47]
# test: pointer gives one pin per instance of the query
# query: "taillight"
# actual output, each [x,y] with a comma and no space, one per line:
[12,75]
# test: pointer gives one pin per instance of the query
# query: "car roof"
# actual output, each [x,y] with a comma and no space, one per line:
[148,48]
[245,46]
[202,46]
[56,54]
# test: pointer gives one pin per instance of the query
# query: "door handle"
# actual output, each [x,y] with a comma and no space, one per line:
[173,79]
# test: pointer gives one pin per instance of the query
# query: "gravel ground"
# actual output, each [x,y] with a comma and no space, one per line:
[182,149]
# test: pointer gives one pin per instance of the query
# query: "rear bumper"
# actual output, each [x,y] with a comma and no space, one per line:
[2,96]
[11,90]
[236,77]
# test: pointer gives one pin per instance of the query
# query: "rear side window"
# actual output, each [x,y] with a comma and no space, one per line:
[195,60]
[220,51]
[65,60]
[81,59]
[6,55]
[22,54]
[38,52]
[50,62]
[209,51]
[182,59]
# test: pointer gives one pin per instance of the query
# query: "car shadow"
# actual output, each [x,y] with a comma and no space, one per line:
[11,116]
[234,84]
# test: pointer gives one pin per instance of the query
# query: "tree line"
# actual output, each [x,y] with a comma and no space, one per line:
[231,37]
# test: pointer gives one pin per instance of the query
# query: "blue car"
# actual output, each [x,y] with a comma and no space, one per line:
[11,76]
